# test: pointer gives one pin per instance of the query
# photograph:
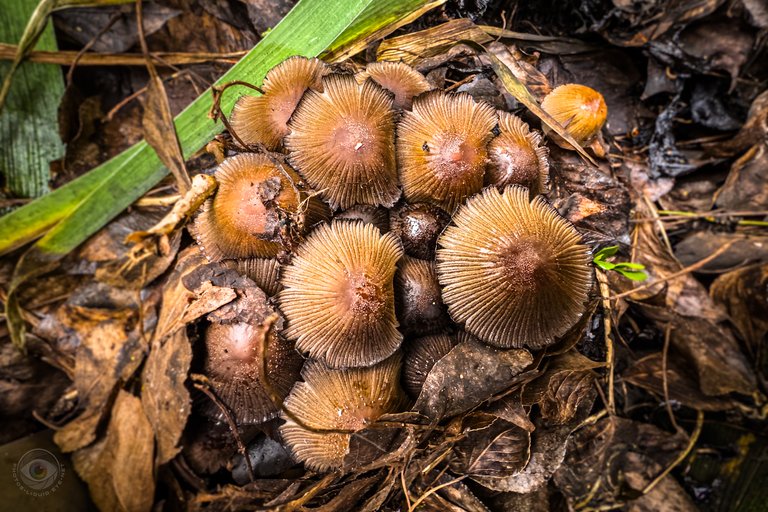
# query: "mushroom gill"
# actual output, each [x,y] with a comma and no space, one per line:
[513,270]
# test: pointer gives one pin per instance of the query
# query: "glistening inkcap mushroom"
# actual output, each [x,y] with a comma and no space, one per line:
[342,142]
[513,270]
[442,148]
[517,157]
[338,296]
[417,226]
[400,79]
[245,217]
[328,399]
[264,119]
[581,110]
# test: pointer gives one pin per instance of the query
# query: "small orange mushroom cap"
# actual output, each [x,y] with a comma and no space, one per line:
[328,399]
[342,142]
[513,270]
[338,295]
[264,119]
[581,110]
[442,148]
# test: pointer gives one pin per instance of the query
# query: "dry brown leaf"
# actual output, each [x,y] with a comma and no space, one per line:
[119,468]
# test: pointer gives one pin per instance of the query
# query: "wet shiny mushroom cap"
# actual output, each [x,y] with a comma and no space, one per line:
[418,226]
[349,399]
[338,296]
[342,142]
[517,157]
[513,270]
[581,110]
[245,216]
[400,79]
[264,119]
[418,300]
[442,148]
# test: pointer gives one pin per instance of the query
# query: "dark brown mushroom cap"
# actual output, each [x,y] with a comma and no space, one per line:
[418,301]
[265,272]
[442,148]
[517,157]
[367,213]
[418,226]
[338,295]
[581,110]
[342,143]
[400,79]
[421,355]
[515,272]
[264,119]
[245,216]
[233,364]
[349,399]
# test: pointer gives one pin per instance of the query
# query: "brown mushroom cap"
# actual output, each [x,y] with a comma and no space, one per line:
[264,119]
[342,143]
[418,302]
[421,355]
[515,272]
[265,272]
[580,109]
[338,295]
[442,148]
[349,399]
[233,364]
[244,218]
[517,157]
[418,226]
[400,79]
[367,213]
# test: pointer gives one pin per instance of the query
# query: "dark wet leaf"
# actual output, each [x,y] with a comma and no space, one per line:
[624,456]
[470,374]
[491,447]
[744,249]
[744,294]
[745,187]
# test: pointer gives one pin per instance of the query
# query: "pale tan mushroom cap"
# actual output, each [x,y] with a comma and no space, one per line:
[515,272]
[517,156]
[338,295]
[442,148]
[264,119]
[349,399]
[400,79]
[342,142]
[244,217]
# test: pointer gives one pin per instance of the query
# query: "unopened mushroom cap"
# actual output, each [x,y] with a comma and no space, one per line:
[234,362]
[515,272]
[342,142]
[418,302]
[367,213]
[264,119]
[517,157]
[400,79]
[442,148]
[421,355]
[349,399]
[245,216]
[418,226]
[338,296]
[580,109]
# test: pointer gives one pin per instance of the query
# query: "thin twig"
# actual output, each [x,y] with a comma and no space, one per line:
[433,490]
[680,458]
[605,292]
[664,381]
[687,270]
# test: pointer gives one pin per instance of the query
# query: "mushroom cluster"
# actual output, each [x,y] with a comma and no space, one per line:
[380,214]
